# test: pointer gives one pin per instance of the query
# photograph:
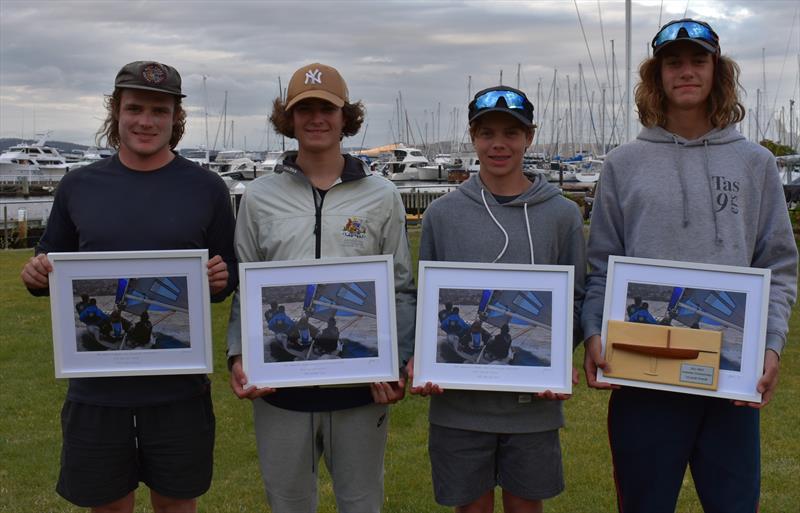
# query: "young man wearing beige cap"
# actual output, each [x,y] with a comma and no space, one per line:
[303,211]
[119,431]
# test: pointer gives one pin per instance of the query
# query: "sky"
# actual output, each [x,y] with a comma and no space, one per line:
[58,59]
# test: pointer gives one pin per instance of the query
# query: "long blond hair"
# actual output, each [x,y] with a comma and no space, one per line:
[724,106]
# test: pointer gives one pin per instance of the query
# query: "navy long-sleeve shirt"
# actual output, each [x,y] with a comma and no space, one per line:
[109,207]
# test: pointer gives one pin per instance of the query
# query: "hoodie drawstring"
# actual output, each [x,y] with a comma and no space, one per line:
[528,226]
[717,237]
[505,233]
[682,180]
[684,191]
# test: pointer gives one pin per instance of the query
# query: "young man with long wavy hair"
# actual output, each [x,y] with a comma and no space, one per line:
[689,188]
[155,429]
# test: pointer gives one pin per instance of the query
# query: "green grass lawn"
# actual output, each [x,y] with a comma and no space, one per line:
[31,398]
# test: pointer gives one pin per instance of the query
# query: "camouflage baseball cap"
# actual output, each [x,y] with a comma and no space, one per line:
[150,76]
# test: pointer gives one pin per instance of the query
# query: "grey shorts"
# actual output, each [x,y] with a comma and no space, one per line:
[467,464]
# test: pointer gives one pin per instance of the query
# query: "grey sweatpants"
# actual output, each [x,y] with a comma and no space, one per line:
[290,444]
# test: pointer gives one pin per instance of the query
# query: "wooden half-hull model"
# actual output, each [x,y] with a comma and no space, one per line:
[663,354]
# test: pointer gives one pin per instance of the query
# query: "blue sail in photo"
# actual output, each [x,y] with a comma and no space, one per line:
[498,307]
[712,307]
[138,295]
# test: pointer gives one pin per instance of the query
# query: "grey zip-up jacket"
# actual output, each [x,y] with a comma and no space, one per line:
[459,227]
[716,199]
[283,217]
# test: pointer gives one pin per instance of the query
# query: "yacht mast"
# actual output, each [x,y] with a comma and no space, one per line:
[603,121]
[571,122]
[205,97]
[613,93]
[225,122]
[628,99]
[580,106]
[554,128]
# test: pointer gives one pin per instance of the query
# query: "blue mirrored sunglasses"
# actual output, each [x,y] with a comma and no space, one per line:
[694,29]
[489,100]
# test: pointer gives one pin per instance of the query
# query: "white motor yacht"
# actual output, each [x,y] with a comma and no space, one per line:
[433,173]
[405,164]
[235,164]
[199,156]
[468,161]
[49,161]
[444,159]
[17,164]
[92,155]
[267,165]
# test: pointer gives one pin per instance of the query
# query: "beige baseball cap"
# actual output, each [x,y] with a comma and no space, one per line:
[316,81]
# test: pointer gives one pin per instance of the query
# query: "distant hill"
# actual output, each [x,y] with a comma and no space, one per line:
[61,146]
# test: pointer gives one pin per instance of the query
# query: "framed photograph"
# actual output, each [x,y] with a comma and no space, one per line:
[130,313]
[319,322]
[731,301]
[501,327]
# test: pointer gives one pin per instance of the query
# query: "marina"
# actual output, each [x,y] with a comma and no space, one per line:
[26,196]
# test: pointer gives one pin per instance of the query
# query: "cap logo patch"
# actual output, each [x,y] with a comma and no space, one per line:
[154,74]
[313,76]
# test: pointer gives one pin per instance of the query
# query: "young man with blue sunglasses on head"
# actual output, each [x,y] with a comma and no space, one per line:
[480,440]
[689,188]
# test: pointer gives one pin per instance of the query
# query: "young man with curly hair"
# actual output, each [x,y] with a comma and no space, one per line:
[302,212]
[689,188]
[119,431]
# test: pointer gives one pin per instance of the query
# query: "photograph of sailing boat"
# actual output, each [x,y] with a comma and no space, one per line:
[696,308]
[319,321]
[730,300]
[498,327]
[131,313]
[495,327]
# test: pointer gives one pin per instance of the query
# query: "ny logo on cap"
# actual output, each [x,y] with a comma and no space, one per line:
[313,76]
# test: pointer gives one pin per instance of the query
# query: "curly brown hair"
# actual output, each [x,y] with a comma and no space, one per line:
[109,130]
[724,106]
[353,114]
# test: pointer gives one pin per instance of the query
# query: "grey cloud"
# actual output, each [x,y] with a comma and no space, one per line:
[382,48]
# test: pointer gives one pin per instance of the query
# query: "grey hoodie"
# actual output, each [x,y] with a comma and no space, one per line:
[458,227]
[716,199]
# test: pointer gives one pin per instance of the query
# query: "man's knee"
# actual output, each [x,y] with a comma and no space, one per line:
[164,504]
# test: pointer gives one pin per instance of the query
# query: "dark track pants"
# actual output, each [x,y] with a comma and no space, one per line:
[654,434]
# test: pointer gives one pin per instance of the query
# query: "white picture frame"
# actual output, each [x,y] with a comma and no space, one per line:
[113,337]
[538,356]
[360,346]
[744,336]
